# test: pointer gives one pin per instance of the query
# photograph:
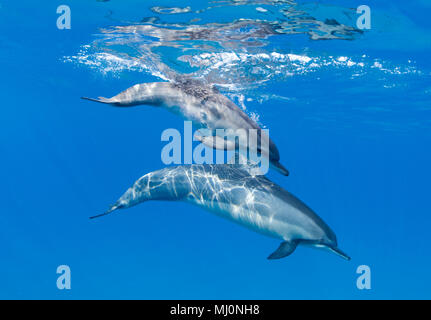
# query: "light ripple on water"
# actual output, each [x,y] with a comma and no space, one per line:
[238,56]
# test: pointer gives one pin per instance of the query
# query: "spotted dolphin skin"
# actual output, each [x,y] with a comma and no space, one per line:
[231,192]
[201,104]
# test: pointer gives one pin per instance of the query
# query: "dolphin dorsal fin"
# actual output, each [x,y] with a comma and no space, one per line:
[246,164]
[286,248]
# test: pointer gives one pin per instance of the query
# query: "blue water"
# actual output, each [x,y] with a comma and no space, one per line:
[349,111]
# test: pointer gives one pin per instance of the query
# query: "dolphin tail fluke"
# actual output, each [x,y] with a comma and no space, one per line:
[280,168]
[99,99]
[340,253]
[113,208]
[285,249]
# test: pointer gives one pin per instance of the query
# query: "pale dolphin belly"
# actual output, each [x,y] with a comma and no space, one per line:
[251,201]
[198,102]
[232,192]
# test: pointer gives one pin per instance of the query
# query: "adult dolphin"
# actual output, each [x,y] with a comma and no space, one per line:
[205,107]
[231,192]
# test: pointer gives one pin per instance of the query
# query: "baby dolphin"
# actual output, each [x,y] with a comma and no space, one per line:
[204,106]
[231,192]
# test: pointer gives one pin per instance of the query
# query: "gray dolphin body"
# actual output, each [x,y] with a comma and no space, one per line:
[201,104]
[231,192]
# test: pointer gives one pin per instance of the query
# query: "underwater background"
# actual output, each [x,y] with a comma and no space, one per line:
[349,109]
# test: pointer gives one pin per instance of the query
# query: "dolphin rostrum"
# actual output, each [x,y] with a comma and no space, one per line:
[201,104]
[231,192]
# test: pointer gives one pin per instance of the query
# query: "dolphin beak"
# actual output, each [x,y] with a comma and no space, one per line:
[280,168]
[340,253]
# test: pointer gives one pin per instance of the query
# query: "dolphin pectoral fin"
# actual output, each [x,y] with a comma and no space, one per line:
[280,168]
[284,250]
[216,142]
